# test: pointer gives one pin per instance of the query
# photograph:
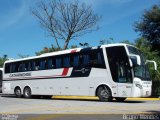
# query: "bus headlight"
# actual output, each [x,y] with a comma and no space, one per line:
[139,86]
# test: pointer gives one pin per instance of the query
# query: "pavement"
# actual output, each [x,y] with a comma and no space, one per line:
[77,108]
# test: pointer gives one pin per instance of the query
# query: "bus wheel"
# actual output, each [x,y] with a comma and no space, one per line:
[27,93]
[120,99]
[17,92]
[104,94]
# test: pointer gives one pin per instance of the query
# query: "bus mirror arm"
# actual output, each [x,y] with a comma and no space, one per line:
[152,61]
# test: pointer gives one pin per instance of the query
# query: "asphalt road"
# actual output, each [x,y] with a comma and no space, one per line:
[58,109]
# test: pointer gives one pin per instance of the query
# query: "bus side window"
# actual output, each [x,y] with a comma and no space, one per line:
[15,67]
[50,64]
[37,65]
[100,60]
[93,59]
[71,61]
[28,66]
[58,62]
[66,62]
[23,67]
[85,60]
[33,65]
[7,68]
[75,60]
[20,67]
[42,64]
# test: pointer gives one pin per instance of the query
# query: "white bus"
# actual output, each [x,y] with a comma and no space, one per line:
[1,71]
[108,71]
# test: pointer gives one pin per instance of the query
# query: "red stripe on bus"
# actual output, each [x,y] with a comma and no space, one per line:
[73,51]
[65,71]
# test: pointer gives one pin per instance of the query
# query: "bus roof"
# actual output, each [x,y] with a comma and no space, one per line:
[65,52]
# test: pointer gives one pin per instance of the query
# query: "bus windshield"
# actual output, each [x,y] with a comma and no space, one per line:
[141,71]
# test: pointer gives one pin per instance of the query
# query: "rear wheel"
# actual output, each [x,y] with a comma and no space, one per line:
[27,93]
[104,94]
[17,92]
[120,99]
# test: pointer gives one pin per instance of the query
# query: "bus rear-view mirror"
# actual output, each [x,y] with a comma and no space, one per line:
[154,63]
[135,60]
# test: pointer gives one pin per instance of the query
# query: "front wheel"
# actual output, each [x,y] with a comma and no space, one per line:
[27,93]
[104,94]
[120,99]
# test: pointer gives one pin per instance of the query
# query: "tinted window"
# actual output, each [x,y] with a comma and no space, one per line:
[119,64]
[58,62]
[66,61]
[0,74]
[7,68]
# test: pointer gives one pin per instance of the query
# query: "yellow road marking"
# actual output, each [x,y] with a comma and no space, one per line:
[96,98]
[46,117]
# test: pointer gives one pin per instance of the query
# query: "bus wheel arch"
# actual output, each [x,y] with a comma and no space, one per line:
[104,93]
[18,92]
[27,92]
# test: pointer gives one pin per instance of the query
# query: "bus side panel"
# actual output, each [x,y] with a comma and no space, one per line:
[59,86]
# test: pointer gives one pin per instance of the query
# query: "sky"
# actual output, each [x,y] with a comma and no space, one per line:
[20,32]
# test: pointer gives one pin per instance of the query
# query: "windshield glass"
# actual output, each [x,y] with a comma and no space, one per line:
[141,71]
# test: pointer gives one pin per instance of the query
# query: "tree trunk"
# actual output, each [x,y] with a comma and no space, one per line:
[67,42]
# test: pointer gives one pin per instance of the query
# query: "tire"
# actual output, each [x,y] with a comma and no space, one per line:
[120,99]
[18,93]
[27,93]
[104,94]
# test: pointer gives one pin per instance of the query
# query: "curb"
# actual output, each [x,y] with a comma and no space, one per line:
[96,98]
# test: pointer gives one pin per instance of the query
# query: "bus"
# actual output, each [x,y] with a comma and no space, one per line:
[107,71]
[1,71]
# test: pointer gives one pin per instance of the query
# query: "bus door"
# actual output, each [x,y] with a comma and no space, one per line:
[120,70]
[124,85]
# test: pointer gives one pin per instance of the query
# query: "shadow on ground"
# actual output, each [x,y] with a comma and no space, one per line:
[73,99]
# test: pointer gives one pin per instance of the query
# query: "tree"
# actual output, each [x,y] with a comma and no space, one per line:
[2,60]
[149,27]
[106,41]
[48,50]
[65,21]
[84,45]
[22,56]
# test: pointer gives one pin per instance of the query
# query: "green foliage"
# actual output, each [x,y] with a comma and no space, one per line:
[23,56]
[84,45]
[2,60]
[48,50]
[52,49]
[106,41]
[149,27]
[143,45]
[127,42]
